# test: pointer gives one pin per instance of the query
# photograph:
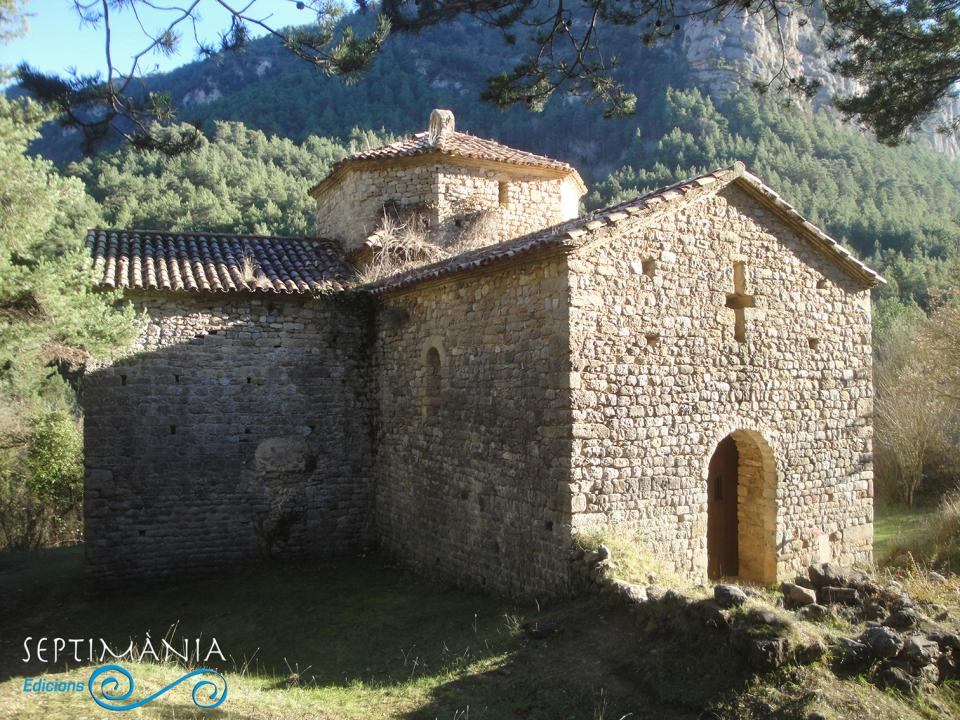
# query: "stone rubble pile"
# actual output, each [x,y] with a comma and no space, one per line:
[901,646]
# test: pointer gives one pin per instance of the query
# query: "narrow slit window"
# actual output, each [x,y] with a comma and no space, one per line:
[649,267]
[503,193]
[431,385]
[814,343]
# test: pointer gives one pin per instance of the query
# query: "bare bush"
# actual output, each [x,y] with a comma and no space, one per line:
[939,338]
[478,229]
[404,240]
[398,246]
[912,415]
[251,272]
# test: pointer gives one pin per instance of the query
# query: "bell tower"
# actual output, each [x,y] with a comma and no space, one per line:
[446,186]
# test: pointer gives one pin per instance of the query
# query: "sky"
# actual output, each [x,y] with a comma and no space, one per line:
[56,40]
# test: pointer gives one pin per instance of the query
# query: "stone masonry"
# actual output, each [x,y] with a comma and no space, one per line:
[476,472]
[420,175]
[237,429]
[662,379]
[471,416]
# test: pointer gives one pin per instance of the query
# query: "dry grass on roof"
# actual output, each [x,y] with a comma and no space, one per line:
[404,244]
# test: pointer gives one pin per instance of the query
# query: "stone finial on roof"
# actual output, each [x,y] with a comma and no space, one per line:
[441,123]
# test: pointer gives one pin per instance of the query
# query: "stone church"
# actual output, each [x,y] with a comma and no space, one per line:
[693,365]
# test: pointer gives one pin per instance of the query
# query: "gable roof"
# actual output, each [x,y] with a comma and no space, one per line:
[449,144]
[215,262]
[576,233]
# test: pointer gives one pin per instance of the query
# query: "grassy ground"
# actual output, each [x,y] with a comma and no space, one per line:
[896,527]
[368,640]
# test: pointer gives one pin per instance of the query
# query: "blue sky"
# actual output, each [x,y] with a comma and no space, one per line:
[56,40]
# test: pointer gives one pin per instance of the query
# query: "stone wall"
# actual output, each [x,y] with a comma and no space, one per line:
[448,196]
[514,205]
[241,428]
[660,379]
[352,209]
[473,454]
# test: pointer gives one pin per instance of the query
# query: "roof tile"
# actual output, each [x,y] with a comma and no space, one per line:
[214,262]
[452,144]
[461,145]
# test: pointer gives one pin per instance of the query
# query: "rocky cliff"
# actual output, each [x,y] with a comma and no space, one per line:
[744,48]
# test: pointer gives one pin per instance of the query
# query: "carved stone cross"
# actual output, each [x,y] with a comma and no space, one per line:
[739,301]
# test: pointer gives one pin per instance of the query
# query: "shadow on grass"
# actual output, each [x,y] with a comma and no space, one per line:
[587,669]
[365,623]
[333,623]
[185,711]
[659,660]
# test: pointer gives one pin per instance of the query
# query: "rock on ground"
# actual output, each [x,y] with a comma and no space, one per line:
[798,595]
[728,596]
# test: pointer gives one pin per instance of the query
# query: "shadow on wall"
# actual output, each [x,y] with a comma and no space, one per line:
[242,429]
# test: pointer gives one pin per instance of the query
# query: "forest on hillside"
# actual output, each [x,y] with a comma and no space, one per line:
[272,128]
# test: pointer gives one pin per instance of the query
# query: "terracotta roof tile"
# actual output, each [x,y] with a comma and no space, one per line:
[459,144]
[214,262]
[452,144]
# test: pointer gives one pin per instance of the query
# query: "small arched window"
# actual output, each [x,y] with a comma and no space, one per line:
[431,383]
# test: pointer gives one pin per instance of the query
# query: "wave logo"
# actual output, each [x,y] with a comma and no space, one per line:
[208,692]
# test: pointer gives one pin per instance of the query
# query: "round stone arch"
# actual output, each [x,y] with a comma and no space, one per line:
[741,477]
[434,342]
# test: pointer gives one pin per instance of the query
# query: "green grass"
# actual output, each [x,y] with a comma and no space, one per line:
[369,640]
[897,527]
[630,560]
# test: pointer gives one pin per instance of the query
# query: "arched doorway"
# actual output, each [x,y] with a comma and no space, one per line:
[742,509]
[722,546]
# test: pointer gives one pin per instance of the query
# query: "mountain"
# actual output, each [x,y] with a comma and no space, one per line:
[727,56]
[266,87]
[696,111]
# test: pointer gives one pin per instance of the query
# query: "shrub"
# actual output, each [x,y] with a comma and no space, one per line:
[41,484]
[916,413]
[403,240]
